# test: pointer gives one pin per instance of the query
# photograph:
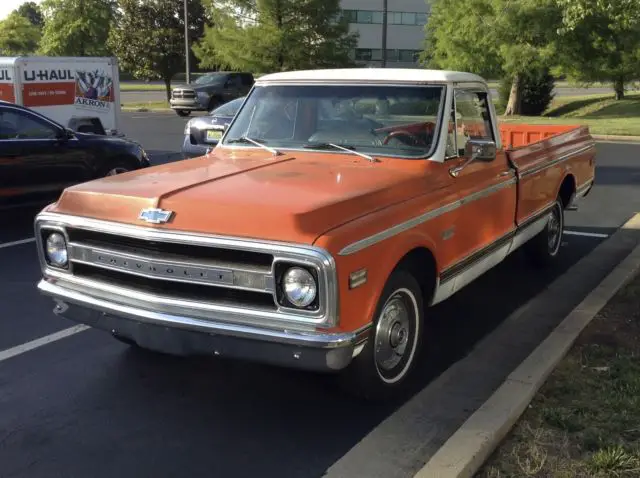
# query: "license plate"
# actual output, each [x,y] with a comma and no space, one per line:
[214,135]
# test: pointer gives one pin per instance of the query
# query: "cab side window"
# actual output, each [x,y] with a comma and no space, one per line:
[17,125]
[470,119]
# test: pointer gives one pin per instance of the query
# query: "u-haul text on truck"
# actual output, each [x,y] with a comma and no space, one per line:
[81,93]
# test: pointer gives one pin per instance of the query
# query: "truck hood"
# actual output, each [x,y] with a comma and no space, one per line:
[249,194]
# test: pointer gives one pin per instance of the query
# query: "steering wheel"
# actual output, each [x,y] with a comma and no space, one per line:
[416,140]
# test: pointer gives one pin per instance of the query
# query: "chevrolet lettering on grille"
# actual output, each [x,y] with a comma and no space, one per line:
[162,270]
[155,215]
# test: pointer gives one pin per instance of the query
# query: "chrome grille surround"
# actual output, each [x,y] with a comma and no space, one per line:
[217,275]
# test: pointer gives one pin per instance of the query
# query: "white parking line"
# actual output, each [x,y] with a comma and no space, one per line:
[47,339]
[585,234]
[17,243]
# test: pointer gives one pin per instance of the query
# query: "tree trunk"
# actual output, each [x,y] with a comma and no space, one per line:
[167,86]
[618,86]
[514,105]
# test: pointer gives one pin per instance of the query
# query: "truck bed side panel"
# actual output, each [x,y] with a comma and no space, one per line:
[542,166]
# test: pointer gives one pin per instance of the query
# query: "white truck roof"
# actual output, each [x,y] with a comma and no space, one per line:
[394,75]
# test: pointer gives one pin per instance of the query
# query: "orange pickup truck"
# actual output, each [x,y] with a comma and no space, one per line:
[336,209]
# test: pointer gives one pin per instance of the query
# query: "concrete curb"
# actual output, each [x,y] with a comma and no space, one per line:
[616,138]
[470,446]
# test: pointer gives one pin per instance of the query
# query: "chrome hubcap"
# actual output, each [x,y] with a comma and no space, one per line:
[554,227]
[392,333]
[117,170]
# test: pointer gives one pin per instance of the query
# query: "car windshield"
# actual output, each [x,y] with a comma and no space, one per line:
[228,109]
[210,78]
[374,119]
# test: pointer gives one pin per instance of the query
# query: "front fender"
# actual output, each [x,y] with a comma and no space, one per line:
[357,306]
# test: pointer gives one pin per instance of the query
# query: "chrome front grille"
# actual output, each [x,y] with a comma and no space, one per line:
[177,271]
[154,265]
[183,94]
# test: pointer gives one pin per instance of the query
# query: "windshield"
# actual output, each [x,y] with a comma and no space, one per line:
[228,109]
[210,78]
[384,120]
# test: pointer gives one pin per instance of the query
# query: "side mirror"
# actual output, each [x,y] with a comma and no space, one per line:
[481,149]
[477,150]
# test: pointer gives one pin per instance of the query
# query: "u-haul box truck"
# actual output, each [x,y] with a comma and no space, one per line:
[81,93]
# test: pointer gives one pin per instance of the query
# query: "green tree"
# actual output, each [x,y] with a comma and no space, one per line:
[599,40]
[276,35]
[493,38]
[149,36]
[18,36]
[77,27]
[32,12]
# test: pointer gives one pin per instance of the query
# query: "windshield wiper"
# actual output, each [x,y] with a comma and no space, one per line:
[347,147]
[246,139]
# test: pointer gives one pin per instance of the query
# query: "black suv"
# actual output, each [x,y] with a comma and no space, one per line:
[210,91]
[39,157]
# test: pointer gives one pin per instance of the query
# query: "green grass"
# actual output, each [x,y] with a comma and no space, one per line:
[585,420]
[602,113]
[140,87]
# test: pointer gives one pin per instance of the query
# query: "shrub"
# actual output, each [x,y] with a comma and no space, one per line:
[537,92]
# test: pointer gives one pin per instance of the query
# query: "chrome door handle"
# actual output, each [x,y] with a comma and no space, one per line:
[504,173]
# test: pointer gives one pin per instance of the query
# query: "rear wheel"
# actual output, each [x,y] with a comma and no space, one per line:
[183,113]
[382,367]
[544,248]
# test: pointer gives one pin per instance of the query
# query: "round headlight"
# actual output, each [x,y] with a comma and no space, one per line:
[57,249]
[300,287]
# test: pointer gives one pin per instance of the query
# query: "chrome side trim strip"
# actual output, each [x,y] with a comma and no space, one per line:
[580,190]
[310,339]
[463,272]
[411,223]
[548,164]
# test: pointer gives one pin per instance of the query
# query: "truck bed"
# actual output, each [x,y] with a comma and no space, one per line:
[539,153]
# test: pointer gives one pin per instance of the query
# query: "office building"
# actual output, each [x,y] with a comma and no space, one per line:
[406,20]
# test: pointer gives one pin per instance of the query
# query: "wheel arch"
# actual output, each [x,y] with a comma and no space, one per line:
[567,190]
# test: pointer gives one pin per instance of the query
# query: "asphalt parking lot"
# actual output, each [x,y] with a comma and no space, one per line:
[86,405]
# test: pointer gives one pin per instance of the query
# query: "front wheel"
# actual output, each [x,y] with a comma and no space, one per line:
[544,248]
[183,113]
[382,367]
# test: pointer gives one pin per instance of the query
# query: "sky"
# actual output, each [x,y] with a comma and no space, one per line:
[7,6]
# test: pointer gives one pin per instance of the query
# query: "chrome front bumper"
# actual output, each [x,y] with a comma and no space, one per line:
[182,335]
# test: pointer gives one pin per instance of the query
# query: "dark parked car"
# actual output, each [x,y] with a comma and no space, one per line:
[39,157]
[204,132]
[210,91]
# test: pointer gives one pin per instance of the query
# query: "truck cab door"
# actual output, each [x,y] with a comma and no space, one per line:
[486,187]
[37,158]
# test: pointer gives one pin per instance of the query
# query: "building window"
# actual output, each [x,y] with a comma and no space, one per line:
[393,18]
[397,56]
[351,15]
[364,16]
[408,18]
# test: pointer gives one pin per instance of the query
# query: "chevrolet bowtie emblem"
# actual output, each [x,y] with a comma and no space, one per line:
[155,216]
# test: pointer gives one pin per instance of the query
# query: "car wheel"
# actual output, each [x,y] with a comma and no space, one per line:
[387,359]
[183,113]
[116,168]
[544,248]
